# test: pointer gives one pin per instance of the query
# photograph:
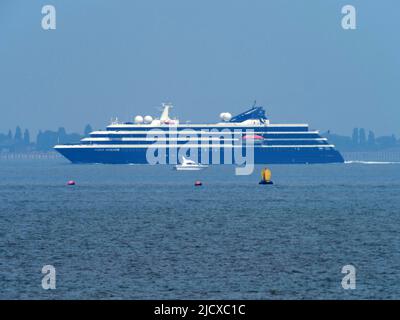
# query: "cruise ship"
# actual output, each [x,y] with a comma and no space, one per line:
[164,140]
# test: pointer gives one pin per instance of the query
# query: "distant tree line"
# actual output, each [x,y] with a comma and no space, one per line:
[20,140]
[45,140]
[361,141]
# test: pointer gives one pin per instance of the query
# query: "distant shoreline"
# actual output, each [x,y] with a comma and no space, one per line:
[32,155]
[389,155]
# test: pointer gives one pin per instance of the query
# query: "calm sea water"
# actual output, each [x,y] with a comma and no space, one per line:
[144,232]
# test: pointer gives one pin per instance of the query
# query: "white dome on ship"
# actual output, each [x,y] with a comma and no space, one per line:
[148,119]
[225,116]
[138,119]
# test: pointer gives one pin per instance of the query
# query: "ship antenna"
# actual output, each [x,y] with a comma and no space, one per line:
[255,103]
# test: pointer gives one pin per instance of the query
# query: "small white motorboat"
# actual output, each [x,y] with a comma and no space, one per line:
[189,165]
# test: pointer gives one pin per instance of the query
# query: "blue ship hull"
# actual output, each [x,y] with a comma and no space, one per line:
[261,156]
[160,140]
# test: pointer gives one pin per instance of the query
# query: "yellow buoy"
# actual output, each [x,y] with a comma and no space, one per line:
[266,176]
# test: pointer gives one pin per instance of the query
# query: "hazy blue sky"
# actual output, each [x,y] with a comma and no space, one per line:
[122,58]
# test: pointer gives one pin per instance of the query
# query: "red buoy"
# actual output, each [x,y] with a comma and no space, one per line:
[71,183]
[198,183]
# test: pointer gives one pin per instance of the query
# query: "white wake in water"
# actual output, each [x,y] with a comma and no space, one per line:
[372,162]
